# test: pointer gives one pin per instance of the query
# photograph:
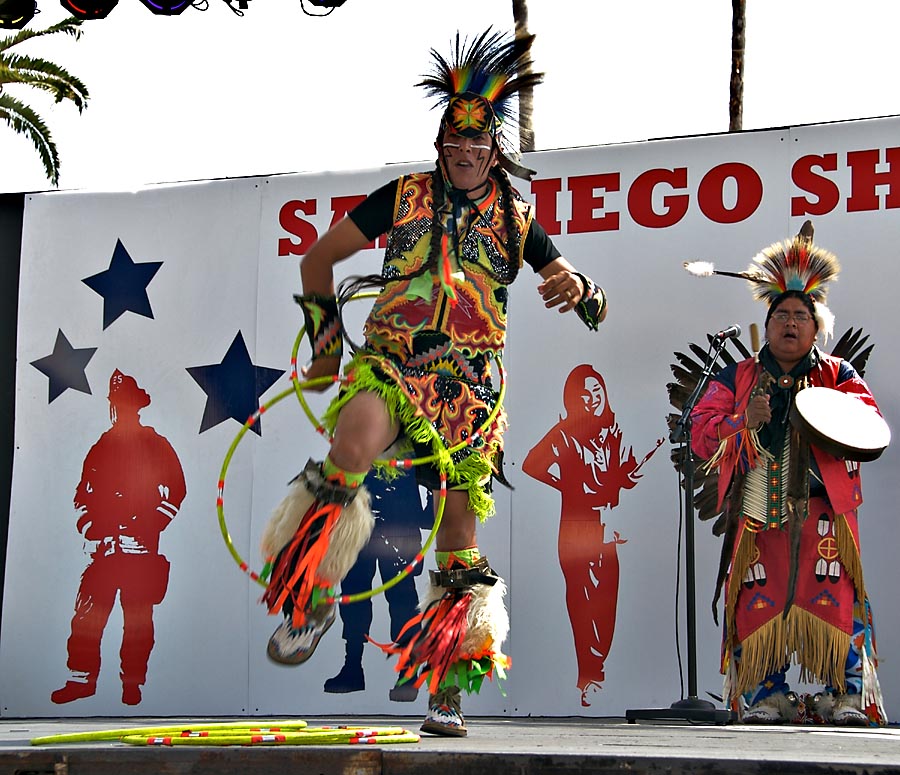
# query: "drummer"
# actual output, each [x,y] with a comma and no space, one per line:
[790,570]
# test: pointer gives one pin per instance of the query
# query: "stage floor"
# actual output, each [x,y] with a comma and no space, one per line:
[496,746]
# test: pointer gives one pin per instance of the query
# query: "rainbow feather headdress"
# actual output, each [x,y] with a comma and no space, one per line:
[477,88]
[795,264]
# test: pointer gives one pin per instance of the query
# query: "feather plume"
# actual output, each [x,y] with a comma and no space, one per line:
[495,66]
[700,268]
[794,265]
[708,269]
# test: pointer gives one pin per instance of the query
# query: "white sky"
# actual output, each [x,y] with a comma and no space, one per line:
[210,94]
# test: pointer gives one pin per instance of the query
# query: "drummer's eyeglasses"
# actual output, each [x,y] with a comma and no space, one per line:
[797,317]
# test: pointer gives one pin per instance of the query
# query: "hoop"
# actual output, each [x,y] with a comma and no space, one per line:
[297,388]
[275,732]
[407,463]
[220,498]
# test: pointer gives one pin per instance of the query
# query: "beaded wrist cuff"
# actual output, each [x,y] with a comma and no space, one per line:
[323,324]
[593,301]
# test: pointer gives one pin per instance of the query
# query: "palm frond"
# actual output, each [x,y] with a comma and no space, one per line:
[70,26]
[39,74]
[44,75]
[25,121]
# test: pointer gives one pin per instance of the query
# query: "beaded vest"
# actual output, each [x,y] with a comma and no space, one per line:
[414,321]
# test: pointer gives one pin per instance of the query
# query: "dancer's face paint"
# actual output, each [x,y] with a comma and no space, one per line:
[468,160]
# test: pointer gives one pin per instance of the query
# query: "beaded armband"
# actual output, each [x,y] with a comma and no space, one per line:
[593,302]
[323,324]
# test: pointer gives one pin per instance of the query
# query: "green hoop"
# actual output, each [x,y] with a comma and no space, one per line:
[290,732]
[297,388]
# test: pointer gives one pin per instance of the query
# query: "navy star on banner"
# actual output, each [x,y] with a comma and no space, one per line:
[65,367]
[233,387]
[123,286]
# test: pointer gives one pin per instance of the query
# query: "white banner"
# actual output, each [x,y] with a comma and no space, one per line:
[187,290]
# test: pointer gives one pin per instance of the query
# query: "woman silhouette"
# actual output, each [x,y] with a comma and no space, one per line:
[582,456]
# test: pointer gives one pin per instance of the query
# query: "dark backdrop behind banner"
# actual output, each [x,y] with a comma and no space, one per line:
[171,306]
[11,208]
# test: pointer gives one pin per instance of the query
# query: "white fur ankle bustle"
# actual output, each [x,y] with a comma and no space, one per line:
[286,518]
[456,637]
[353,529]
[487,621]
[777,708]
[348,537]
[312,540]
[450,643]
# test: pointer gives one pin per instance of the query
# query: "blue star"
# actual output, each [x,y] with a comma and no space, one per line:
[65,367]
[233,387]
[123,286]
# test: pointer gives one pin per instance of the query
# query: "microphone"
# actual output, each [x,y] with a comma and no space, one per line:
[728,333]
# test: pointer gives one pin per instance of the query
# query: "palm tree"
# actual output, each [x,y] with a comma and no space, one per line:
[39,74]
[526,95]
[736,92]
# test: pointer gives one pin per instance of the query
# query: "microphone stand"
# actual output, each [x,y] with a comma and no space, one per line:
[691,708]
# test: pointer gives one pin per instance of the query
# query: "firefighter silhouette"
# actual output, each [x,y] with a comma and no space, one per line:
[131,487]
[583,457]
[400,516]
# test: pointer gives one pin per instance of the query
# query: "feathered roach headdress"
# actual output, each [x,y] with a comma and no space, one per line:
[476,90]
[793,265]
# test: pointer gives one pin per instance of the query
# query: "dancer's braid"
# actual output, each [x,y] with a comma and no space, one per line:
[513,235]
[437,230]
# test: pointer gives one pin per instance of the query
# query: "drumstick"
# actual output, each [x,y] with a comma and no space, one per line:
[765,379]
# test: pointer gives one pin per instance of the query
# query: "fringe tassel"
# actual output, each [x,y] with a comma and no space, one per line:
[762,652]
[469,673]
[432,651]
[872,700]
[446,271]
[848,552]
[781,640]
[731,698]
[472,472]
[743,447]
[739,564]
[438,655]
[294,571]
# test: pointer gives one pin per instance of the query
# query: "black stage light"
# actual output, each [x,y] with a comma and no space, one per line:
[321,5]
[167,7]
[89,9]
[15,14]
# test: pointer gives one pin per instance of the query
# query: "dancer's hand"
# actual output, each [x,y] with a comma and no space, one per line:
[563,289]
